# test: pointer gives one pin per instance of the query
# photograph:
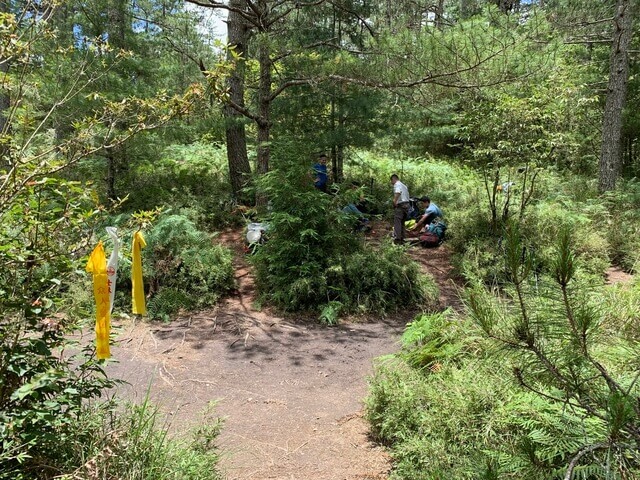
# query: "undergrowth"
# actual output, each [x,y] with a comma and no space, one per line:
[112,440]
[314,261]
[537,381]
[183,268]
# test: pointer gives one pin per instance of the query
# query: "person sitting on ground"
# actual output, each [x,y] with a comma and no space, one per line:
[431,212]
[321,174]
[354,209]
[362,203]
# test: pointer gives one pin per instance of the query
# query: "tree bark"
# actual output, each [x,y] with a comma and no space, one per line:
[439,13]
[264,107]
[111,175]
[237,158]
[508,5]
[610,153]
[5,100]
[118,20]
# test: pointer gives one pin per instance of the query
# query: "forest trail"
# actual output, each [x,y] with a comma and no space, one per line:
[290,391]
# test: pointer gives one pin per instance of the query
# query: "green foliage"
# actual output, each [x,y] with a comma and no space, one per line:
[41,394]
[621,304]
[558,202]
[539,375]
[108,440]
[430,340]
[182,267]
[53,119]
[192,179]
[622,229]
[44,377]
[440,422]
[134,444]
[315,261]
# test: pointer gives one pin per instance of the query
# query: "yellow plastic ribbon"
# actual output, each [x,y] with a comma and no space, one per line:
[137,285]
[97,265]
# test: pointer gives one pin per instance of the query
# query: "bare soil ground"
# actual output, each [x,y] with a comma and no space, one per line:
[290,391]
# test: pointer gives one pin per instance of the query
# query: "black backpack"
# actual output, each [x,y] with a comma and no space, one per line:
[414,212]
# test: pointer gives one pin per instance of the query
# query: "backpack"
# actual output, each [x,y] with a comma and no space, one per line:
[439,228]
[429,240]
[434,235]
[414,212]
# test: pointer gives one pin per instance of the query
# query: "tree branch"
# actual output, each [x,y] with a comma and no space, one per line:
[574,462]
[355,14]
[218,5]
[287,84]
[244,111]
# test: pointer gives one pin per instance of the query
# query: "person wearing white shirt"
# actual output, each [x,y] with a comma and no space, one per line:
[400,208]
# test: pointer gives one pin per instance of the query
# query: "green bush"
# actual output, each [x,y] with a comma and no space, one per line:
[314,261]
[182,267]
[189,178]
[41,396]
[557,203]
[621,226]
[541,375]
[110,440]
[440,422]
[180,257]
[44,377]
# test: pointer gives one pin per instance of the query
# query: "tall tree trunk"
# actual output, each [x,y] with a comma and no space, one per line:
[439,14]
[111,175]
[5,101]
[610,154]
[465,9]
[336,32]
[340,161]
[237,158]
[118,22]
[508,5]
[264,112]
[334,156]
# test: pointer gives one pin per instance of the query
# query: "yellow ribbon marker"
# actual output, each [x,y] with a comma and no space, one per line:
[97,265]
[137,285]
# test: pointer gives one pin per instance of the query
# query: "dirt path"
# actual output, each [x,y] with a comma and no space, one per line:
[291,391]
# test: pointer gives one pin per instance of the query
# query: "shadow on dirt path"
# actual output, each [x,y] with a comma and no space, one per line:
[290,390]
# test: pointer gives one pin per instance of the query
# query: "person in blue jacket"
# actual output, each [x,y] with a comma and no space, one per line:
[431,212]
[320,172]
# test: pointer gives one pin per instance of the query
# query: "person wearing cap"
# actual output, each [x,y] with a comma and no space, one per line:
[400,208]
[431,212]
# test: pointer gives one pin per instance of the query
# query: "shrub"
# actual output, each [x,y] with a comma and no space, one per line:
[43,227]
[538,382]
[621,225]
[314,260]
[440,422]
[112,440]
[182,267]
[555,206]
[41,396]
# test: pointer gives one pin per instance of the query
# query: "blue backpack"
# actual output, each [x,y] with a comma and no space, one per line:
[439,228]
[434,235]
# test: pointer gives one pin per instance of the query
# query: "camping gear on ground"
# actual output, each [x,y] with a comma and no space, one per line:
[414,212]
[433,234]
[255,233]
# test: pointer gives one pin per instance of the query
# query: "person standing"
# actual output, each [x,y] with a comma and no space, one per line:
[400,208]
[320,172]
